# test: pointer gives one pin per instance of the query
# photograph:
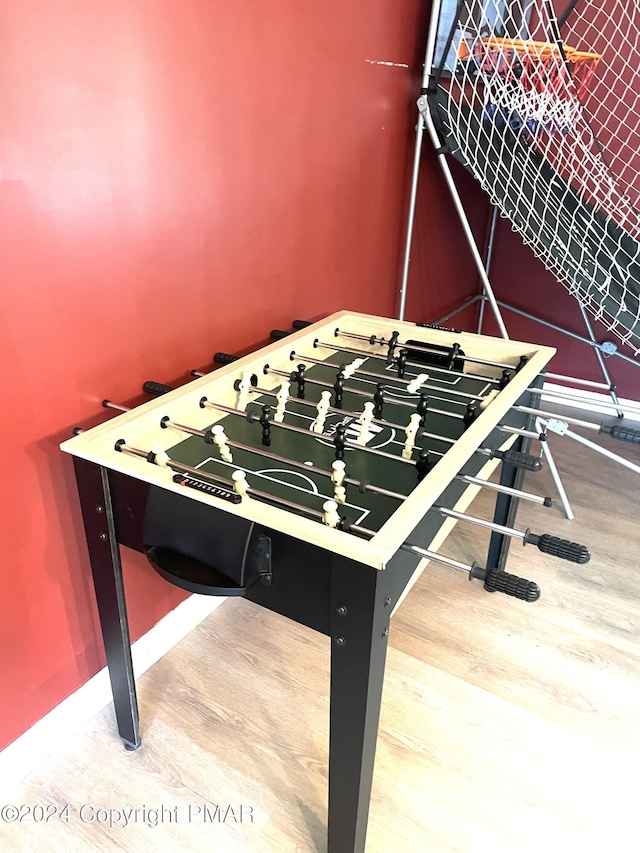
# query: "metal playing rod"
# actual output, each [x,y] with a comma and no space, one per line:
[548,544]
[166,422]
[121,447]
[294,355]
[423,433]
[621,433]
[349,480]
[280,425]
[505,490]
[351,390]
[494,580]
[107,404]
[511,457]
[379,357]
[526,433]
[372,339]
[271,393]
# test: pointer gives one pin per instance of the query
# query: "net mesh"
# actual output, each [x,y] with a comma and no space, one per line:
[541,104]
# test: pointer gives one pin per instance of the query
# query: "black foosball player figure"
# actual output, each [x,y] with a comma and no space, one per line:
[338,390]
[298,377]
[454,353]
[393,342]
[339,440]
[378,401]
[423,464]
[422,407]
[265,423]
[504,380]
[401,362]
[471,413]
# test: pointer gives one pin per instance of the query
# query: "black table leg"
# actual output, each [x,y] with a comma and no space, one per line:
[104,554]
[360,613]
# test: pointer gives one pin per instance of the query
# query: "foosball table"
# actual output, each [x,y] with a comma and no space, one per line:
[317,477]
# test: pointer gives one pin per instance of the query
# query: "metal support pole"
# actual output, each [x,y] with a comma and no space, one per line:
[426,73]
[487,261]
[453,190]
[601,450]
[564,500]
[576,337]
[598,353]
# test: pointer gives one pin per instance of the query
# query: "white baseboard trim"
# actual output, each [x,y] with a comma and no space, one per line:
[593,401]
[63,722]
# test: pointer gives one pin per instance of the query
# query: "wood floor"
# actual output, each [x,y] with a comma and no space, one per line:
[506,727]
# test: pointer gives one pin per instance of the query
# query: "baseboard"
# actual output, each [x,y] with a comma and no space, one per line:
[43,738]
[593,401]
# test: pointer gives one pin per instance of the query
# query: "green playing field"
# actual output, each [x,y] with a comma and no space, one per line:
[311,489]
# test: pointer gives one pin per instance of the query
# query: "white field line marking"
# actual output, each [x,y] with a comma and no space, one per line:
[264,474]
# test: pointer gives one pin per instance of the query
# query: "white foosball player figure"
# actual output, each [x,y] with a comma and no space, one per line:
[410,432]
[414,386]
[491,396]
[350,369]
[330,517]
[240,485]
[323,408]
[220,439]
[282,396]
[244,388]
[337,478]
[160,456]
[365,422]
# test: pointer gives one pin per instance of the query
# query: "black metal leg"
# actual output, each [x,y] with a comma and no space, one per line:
[359,628]
[506,510]
[104,554]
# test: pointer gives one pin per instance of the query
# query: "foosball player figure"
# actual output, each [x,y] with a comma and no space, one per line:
[422,408]
[423,465]
[393,342]
[338,390]
[454,353]
[401,362]
[265,423]
[471,414]
[339,441]
[298,377]
[505,379]
[378,401]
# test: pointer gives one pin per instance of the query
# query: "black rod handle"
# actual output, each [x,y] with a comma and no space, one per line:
[496,581]
[301,324]
[224,358]
[622,433]
[278,334]
[519,460]
[557,547]
[157,389]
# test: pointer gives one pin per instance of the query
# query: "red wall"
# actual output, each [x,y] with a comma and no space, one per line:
[442,273]
[177,177]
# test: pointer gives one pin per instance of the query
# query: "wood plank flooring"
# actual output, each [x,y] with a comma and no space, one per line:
[506,727]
